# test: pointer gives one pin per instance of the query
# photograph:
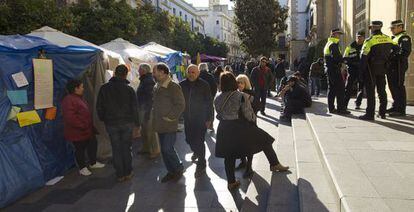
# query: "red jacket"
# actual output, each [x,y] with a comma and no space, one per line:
[77,119]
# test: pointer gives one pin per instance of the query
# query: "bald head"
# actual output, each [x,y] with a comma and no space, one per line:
[192,72]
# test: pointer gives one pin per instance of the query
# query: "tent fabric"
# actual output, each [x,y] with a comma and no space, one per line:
[95,77]
[32,155]
[132,55]
[61,39]
[164,54]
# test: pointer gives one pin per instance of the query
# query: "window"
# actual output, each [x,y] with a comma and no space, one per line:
[192,24]
[181,14]
[174,11]
[217,22]
[185,17]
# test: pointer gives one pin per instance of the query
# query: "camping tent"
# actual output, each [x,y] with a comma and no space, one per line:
[61,39]
[98,75]
[132,55]
[32,155]
[169,56]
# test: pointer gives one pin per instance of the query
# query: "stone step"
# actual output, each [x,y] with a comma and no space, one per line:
[314,184]
[283,194]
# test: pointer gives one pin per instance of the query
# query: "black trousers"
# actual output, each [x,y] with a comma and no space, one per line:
[377,81]
[230,162]
[360,94]
[293,106]
[396,85]
[90,146]
[349,88]
[194,136]
[336,90]
[261,94]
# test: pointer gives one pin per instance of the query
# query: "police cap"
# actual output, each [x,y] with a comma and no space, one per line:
[376,24]
[336,30]
[360,34]
[397,23]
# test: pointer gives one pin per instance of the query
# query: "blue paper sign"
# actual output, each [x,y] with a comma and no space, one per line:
[17,97]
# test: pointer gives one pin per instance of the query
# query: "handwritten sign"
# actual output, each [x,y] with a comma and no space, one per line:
[43,83]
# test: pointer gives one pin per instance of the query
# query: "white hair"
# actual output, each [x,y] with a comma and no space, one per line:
[203,67]
[146,67]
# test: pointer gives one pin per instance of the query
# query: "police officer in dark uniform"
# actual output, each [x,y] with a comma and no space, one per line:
[333,62]
[376,53]
[398,67]
[352,60]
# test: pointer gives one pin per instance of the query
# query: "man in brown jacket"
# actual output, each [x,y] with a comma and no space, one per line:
[168,105]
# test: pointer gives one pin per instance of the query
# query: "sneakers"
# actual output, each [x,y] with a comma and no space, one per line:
[233,186]
[343,112]
[85,172]
[333,111]
[279,167]
[97,165]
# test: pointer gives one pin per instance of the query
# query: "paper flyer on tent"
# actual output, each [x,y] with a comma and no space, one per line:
[17,97]
[20,79]
[13,113]
[43,83]
[28,118]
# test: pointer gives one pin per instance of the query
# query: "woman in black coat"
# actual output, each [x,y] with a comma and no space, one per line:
[236,115]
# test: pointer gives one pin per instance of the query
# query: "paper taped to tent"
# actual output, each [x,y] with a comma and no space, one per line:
[34,154]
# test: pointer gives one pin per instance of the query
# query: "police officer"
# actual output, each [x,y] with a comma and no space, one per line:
[376,51]
[333,62]
[398,67]
[352,60]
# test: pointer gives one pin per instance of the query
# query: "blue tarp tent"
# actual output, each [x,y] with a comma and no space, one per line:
[32,155]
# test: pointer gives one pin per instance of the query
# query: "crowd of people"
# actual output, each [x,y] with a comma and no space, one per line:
[234,98]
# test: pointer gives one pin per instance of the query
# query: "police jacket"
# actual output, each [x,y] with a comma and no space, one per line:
[198,102]
[400,61]
[376,54]
[332,55]
[352,57]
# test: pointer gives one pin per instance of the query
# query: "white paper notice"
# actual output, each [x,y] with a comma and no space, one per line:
[20,79]
[43,83]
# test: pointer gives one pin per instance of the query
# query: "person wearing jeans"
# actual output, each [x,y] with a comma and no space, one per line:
[261,78]
[117,107]
[315,75]
[78,127]
[168,105]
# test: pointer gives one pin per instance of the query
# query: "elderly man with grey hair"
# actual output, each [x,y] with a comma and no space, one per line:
[144,96]
[198,114]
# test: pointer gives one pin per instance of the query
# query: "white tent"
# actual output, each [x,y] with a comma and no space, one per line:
[132,55]
[61,39]
[158,49]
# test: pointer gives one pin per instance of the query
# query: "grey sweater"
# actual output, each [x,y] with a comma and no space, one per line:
[230,110]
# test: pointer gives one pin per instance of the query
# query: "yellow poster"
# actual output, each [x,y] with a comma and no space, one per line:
[43,83]
[28,118]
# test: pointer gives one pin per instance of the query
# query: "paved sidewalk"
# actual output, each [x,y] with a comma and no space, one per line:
[371,162]
[144,192]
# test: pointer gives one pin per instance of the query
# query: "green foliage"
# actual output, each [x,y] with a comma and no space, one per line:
[24,16]
[101,21]
[258,23]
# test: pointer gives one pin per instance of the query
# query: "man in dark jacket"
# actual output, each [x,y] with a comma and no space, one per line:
[376,52]
[198,114]
[261,79]
[333,62]
[250,66]
[144,96]
[117,108]
[296,97]
[352,60]
[315,75]
[209,78]
[280,72]
[399,65]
